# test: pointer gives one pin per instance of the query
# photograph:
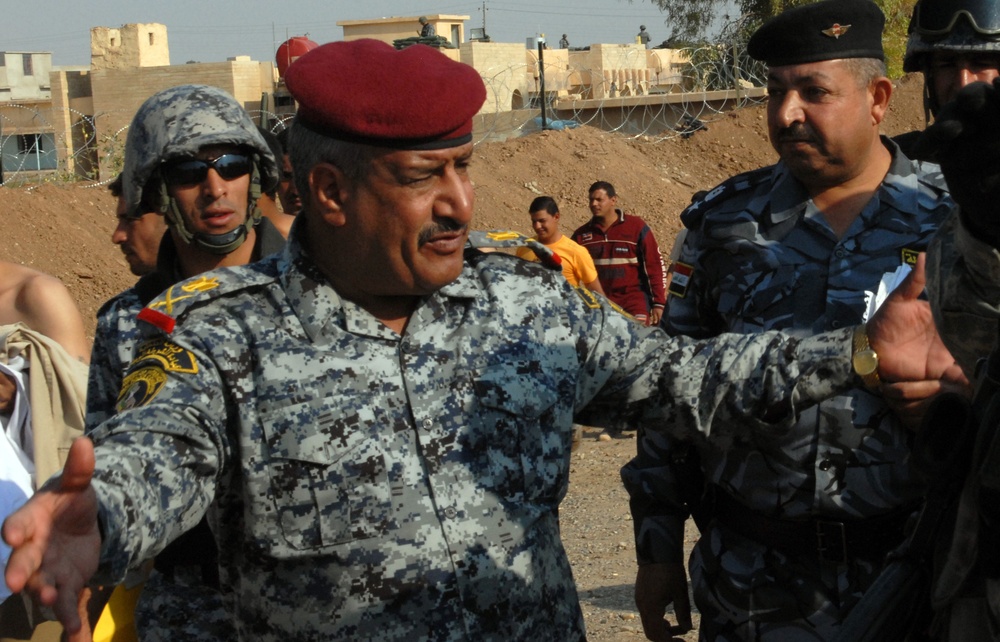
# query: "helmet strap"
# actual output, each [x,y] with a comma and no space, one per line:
[214,243]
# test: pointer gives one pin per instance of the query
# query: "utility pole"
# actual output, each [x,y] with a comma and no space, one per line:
[541,78]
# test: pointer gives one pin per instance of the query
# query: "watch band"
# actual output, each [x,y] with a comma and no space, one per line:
[864,359]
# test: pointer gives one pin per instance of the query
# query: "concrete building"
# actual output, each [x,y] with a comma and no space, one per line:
[450,27]
[75,118]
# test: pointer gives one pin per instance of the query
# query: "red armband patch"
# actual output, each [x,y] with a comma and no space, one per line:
[158,319]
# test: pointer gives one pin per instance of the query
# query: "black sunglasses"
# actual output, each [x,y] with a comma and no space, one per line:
[939,17]
[192,171]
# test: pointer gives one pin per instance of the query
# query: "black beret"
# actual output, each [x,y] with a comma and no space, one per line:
[827,30]
[366,91]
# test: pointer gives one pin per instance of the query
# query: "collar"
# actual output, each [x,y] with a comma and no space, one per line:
[323,313]
[899,188]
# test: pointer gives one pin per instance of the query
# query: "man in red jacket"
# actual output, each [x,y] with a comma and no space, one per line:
[628,261]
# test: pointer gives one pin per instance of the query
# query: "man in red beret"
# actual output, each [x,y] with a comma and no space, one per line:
[378,421]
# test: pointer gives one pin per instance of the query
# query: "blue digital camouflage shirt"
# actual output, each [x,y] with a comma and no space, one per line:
[364,485]
[759,256]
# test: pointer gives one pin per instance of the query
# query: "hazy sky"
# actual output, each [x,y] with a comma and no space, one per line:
[213,30]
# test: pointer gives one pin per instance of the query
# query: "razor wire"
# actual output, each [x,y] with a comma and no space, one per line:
[629,99]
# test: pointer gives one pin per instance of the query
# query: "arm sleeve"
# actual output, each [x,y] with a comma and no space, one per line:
[104,378]
[158,461]
[963,285]
[656,501]
[652,266]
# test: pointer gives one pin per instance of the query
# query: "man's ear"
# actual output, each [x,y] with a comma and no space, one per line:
[881,92]
[328,190]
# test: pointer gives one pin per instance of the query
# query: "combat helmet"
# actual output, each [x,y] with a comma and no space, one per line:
[961,26]
[177,122]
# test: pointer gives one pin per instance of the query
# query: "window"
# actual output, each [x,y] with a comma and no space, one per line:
[29,68]
[151,39]
[29,144]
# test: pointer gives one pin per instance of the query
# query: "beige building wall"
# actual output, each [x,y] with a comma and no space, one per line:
[451,27]
[118,93]
[132,45]
[16,85]
[504,70]
[72,104]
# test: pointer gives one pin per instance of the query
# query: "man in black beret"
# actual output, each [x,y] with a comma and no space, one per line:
[795,524]
[378,420]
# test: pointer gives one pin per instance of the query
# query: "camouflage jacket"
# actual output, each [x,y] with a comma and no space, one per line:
[759,256]
[118,329]
[366,485]
[963,284]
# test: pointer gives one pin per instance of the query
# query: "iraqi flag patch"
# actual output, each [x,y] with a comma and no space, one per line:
[680,277]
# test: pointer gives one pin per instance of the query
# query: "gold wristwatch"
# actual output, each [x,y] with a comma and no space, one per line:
[864,359]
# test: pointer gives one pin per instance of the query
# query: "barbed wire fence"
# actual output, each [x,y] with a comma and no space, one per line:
[651,106]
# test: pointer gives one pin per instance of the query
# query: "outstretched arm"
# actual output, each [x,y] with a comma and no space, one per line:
[56,540]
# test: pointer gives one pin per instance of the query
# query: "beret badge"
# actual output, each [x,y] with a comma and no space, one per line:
[837,30]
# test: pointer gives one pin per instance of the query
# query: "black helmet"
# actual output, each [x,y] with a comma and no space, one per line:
[952,25]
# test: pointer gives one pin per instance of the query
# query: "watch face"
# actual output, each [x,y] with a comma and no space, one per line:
[865,362]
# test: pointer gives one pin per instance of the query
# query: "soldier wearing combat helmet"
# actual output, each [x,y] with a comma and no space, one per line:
[193,154]
[954,43]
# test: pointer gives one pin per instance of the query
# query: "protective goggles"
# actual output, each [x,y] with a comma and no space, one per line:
[939,17]
[193,171]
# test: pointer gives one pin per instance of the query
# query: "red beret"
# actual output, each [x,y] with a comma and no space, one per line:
[366,91]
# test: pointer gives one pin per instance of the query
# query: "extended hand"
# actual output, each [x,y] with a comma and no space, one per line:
[656,587]
[56,541]
[966,140]
[903,335]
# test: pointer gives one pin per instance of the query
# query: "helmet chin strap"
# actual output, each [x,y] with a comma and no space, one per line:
[214,243]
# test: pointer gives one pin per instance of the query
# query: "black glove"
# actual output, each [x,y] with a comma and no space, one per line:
[965,138]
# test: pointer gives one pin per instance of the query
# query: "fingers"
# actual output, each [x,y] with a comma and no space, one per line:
[910,390]
[913,286]
[79,467]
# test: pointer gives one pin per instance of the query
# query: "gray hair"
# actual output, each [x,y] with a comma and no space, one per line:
[307,148]
[866,70]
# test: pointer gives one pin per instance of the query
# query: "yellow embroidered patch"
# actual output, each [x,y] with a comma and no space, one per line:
[589,298]
[167,356]
[908,256]
[140,387]
[504,236]
[182,291]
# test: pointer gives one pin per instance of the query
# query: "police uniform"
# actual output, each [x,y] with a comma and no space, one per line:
[759,257]
[181,600]
[794,524]
[365,484]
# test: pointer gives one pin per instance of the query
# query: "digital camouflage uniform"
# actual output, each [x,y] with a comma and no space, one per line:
[759,256]
[364,485]
[181,600]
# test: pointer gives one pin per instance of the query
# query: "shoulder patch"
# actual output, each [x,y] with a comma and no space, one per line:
[498,239]
[908,256]
[589,298]
[722,192]
[183,291]
[147,373]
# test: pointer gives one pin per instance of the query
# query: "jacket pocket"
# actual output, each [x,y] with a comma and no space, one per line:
[328,477]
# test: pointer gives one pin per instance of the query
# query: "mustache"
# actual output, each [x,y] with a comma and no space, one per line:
[795,133]
[446,226]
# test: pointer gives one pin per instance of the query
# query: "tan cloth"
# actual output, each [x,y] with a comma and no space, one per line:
[57,387]
[57,391]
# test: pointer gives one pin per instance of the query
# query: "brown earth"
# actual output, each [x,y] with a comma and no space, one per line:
[65,229]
